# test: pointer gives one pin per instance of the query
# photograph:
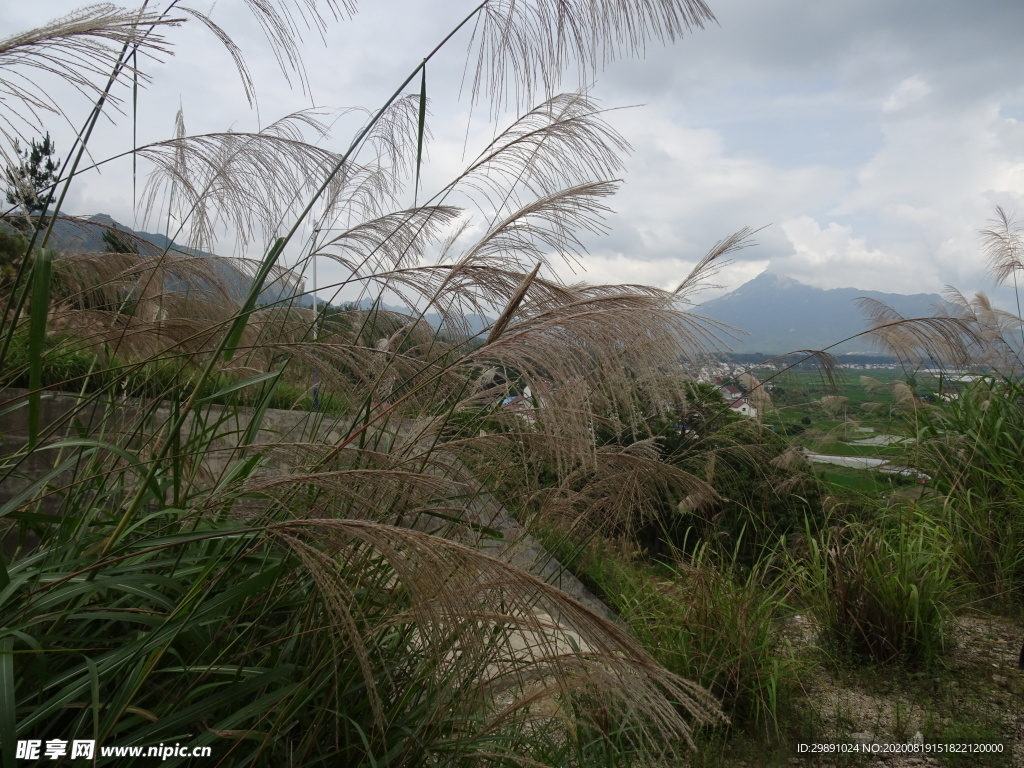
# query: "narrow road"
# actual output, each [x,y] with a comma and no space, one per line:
[856,462]
[863,462]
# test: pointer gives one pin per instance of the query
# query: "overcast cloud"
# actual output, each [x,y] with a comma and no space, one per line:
[870,139]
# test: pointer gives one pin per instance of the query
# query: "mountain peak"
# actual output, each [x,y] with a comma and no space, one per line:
[782,314]
[103,219]
[776,279]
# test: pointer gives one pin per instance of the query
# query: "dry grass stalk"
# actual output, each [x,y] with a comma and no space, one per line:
[79,49]
[833,404]
[454,588]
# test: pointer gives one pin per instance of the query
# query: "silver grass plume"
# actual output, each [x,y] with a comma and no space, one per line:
[80,49]
[522,48]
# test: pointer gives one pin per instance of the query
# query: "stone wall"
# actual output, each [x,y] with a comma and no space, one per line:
[66,416]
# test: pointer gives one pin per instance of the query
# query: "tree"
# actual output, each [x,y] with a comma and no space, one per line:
[29,182]
[12,250]
[114,242]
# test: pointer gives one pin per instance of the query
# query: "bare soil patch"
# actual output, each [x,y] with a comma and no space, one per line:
[975,696]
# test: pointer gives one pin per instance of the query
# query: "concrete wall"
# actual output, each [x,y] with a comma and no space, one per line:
[63,415]
[130,422]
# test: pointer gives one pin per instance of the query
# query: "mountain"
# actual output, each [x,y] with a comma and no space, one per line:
[781,314]
[475,322]
[86,235]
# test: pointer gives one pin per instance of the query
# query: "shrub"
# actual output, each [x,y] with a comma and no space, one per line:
[882,590]
[710,622]
[764,488]
[971,448]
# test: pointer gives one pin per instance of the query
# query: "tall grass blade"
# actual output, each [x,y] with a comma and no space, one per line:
[8,720]
[421,130]
[238,385]
[260,409]
[37,486]
[37,338]
[237,328]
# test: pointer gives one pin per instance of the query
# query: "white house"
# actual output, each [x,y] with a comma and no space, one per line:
[743,407]
[738,402]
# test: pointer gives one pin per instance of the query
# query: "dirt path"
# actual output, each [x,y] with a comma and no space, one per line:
[977,696]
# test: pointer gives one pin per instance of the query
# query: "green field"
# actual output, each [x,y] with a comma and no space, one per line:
[835,426]
[839,448]
[867,482]
[797,403]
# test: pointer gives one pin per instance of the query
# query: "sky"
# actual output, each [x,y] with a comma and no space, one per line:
[867,141]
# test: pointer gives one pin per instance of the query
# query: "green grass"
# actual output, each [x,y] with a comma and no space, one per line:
[705,620]
[866,482]
[797,394]
[883,589]
[837,448]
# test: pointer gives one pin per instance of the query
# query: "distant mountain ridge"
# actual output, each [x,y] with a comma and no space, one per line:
[476,323]
[781,314]
[778,313]
[86,235]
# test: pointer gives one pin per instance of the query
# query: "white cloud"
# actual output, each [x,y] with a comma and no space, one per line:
[910,90]
[832,256]
[876,137]
[667,274]
[685,191]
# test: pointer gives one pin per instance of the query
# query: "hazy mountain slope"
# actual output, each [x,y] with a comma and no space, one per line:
[87,235]
[781,314]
